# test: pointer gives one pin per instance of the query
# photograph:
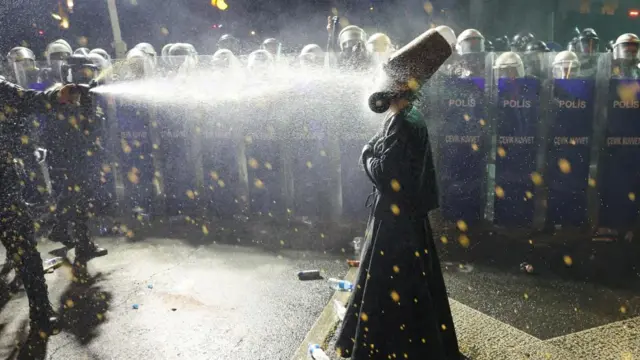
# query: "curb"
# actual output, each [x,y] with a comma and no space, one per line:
[326,323]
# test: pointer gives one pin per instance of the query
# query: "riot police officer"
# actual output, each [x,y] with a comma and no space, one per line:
[609,46]
[488,46]
[586,47]
[22,62]
[501,44]
[139,65]
[312,56]
[260,63]
[625,57]
[520,41]
[150,51]
[470,48]
[273,46]
[227,41]
[353,54]
[103,53]
[224,59]
[184,57]
[17,226]
[72,166]
[508,65]
[379,48]
[566,65]
[535,59]
[57,54]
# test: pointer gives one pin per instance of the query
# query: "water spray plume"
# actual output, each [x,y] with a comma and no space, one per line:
[282,97]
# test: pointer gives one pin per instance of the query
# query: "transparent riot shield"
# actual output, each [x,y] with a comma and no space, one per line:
[619,174]
[136,162]
[455,110]
[516,133]
[569,137]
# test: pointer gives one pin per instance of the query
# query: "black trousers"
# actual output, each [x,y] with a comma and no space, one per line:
[18,237]
[71,216]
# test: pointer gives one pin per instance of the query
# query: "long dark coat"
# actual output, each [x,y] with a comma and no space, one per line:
[399,308]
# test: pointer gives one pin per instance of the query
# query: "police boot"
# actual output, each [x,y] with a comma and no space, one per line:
[90,251]
[86,249]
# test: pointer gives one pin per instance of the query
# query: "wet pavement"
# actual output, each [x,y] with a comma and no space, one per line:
[580,302]
[215,301]
[193,302]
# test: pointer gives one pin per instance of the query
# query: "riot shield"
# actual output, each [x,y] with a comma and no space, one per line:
[517,117]
[136,162]
[461,147]
[262,158]
[619,173]
[177,133]
[569,151]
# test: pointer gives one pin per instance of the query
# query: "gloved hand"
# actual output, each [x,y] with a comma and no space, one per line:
[367,152]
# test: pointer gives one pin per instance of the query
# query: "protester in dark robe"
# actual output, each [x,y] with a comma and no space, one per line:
[399,308]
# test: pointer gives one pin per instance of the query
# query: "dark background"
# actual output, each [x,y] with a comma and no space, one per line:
[296,22]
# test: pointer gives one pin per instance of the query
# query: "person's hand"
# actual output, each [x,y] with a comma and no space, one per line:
[329,24]
[69,94]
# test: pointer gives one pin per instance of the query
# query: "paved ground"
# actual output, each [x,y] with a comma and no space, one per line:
[195,302]
[200,300]
[581,302]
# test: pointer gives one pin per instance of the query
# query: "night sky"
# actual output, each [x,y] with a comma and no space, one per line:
[159,22]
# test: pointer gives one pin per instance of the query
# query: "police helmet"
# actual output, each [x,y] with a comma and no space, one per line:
[379,43]
[470,41]
[566,65]
[58,50]
[259,60]
[149,50]
[508,65]
[626,47]
[588,41]
[520,41]
[501,43]
[350,36]
[536,46]
[609,46]
[224,58]
[98,60]
[139,62]
[81,51]
[312,55]
[271,45]
[488,45]
[227,41]
[20,53]
[105,55]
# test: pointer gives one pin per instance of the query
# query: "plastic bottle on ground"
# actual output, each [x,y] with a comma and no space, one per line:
[340,285]
[316,352]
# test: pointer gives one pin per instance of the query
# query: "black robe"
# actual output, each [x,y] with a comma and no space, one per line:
[399,308]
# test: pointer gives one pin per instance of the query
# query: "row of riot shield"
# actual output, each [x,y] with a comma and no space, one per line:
[281,144]
[525,152]
[536,151]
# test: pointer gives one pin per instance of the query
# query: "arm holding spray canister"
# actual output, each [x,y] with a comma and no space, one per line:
[30,101]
